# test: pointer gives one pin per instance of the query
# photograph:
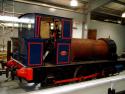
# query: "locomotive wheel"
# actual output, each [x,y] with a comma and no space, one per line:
[12,74]
[7,72]
[20,79]
[48,81]
[80,71]
[76,71]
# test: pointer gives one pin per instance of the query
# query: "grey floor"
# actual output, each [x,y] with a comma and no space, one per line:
[15,87]
[9,87]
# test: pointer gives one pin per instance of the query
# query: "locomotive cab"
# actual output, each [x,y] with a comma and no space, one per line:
[46,39]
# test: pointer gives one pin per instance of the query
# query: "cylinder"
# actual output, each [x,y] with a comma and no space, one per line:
[88,49]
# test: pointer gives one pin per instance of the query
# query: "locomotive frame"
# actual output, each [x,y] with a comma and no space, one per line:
[30,62]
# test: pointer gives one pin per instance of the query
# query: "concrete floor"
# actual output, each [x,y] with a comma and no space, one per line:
[9,87]
[15,87]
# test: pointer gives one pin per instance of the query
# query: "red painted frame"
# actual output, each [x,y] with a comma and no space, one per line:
[57,54]
[29,43]
[63,29]
[38,23]
[76,79]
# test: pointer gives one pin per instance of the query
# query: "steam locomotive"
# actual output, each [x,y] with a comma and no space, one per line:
[46,53]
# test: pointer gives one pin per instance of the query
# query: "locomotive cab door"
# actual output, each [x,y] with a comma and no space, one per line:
[35,53]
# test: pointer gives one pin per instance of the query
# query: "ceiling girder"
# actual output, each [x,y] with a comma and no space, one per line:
[94,4]
[119,2]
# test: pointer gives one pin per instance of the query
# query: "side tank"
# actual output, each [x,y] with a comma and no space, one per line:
[87,49]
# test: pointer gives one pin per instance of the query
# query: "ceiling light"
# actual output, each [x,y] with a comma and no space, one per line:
[123,14]
[74,3]
[8,18]
[15,19]
[119,22]
[52,9]
[11,24]
[106,20]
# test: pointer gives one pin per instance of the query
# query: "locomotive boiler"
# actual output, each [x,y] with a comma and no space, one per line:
[45,52]
[88,49]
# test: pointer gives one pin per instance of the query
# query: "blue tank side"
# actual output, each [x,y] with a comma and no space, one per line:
[26,31]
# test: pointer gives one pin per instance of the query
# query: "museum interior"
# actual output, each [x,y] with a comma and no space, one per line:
[62,46]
